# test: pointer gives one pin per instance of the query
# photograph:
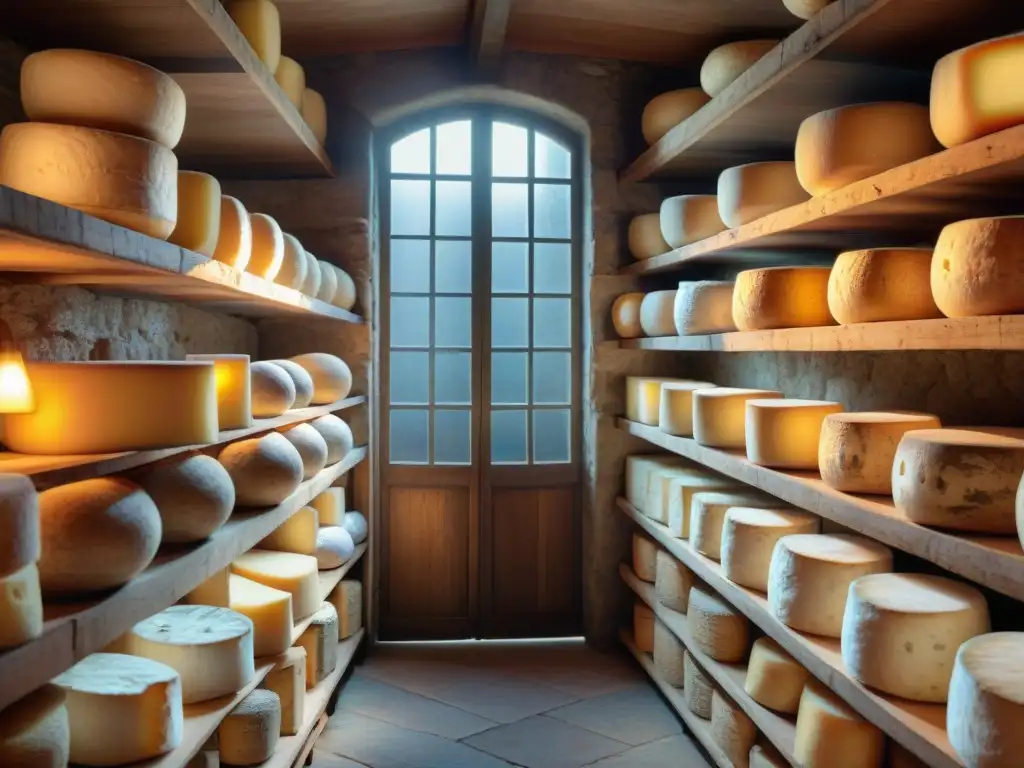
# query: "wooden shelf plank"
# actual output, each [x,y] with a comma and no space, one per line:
[731,678]
[993,561]
[328,581]
[919,727]
[172,575]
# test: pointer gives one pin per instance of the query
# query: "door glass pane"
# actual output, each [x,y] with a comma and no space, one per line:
[551,323]
[453,321]
[508,437]
[452,378]
[551,378]
[454,148]
[451,437]
[508,378]
[551,160]
[453,215]
[453,268]
[408,437]
[551,436]
[510,216]
[410,378]
[410,321]
[410,266]
[410,207]
[412,154]
[551,210]
[509,322]
[508,153]
[510,271]
[552,267]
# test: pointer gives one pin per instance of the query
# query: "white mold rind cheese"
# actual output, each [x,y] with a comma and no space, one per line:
[686,219]
[265,470]
[337,434]
[697,687]
[656,317]
[645,558]
[749,536]
[668,655]
[301,379]
[273,391]
[882,285]
[645,240]
[673,582]
[703,306]
[727,62]
[717,629]
[667,110]
[643,627]
[356,525]
[332,378]
[286,571]
[781,297]
[334,547]
[34,731]
[248,734]
[719,415]
[19,523]
[675,409]
[774,678]
[977,267]
[707,517]
[731,729]
[829,734]
[749,192]
[311,446]
[785,433]
[194,495]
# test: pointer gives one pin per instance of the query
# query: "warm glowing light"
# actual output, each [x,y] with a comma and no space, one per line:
[15,388]
[234,395]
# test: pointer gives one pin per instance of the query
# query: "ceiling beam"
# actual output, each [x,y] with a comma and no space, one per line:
[487,35]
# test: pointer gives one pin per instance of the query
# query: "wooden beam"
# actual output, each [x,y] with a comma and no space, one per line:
[487,35]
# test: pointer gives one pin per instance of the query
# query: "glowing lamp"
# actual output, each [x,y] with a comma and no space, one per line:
[15,388]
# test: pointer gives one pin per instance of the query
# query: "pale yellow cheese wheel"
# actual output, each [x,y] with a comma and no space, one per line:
[830,734]
[292,79]
[785,433]
[667,110]
[657,314]
[805,9]
[685,219]
[727,62]
[328,282]
[731,728]
[273,391]
[345,293]
[332,378]
[749,535]
[19,523]
[234,241]
[645,240]
[314,112]
[719,415]
[774,678]
[645,558]
[311,285]
[717,628]
[749,192]
[643,627]
[698,687]
[668,655]
[267,246]
[266,470]
[198,224]
[781,297]
[34,732]
[882,284]
[292,273]
[260,23]
[978,267]
[311,446]
[626,315]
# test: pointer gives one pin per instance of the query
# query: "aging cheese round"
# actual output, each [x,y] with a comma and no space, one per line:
[234,389]
[311,446]
[292,273]
[260,24]
[685,219]
[265,470]
[286,571]
[19,523]
[332,378]
[667,110]
[961,479]
[328,282]
[330,504]
[355,524]
[645,475]
[774,678]
[311,285]
[717,629]
[643,627]
[193,493]
[829,734]
[856,450]
[781,297]
[678,492]
[810,577]
[214,591]
[347,599]
[267,246]
[234,238]
[749,535]
[288,680]
[334,547]
[301,380]
[645,239]
[96,534]
[749,192]
[703,306]
[645,558]
[978,267]
[273,391]
[901,632]
[345,293]
[840,146]
[707,517]
[672,582]
[248,734]
[785,433]
[122,179]
[719,415]
[198,224]
[100,90]
[21,608]
[320,639]
[269,610]
[985,714]
[675,409]
[643,398]
[296,534]
[338,436]
[34,731]
[727,62]
[656,313]
[292,79]
[668,655]
[882,284]
[731,729]
[697,687]
[314,112]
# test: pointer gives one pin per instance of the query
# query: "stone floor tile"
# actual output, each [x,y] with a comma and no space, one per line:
[672,752]
[325,759]
[541,742]
[635,715]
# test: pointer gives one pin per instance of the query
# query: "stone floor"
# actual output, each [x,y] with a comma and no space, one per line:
[487,705]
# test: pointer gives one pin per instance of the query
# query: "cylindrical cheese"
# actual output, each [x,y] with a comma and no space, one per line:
[265,470]
[901,632]
[675,409]
[260,23]
[805,9]
[292,273]
[270,611]
[685,219]
[645,558]
[198,224]
[856,450]
[345,294]
[193,493]
[347,599]
[328,282]
[292,79]
[311,446]
[704,306]
[643,627]
[320,639]
[332,378]
[667,110]
[749,192]
[296,534]
[301,379]
[978,267]
[626,315]
[829,734]
[234,389]
[707,517]
[774,678]
[267,246]
[248,734]
[19,523]
[356,525]
[668,655]
[785,433]
[717,629]
[334,547]
[215,591]
[645,240]
[286,571]
[234,239]
[330,505]
[749,536]
[34,731]
[731,729]
[273,391]
[337,434]
[719,415]
[679,490]
[882,284]
[781,297]
[643,398]
[727,62]
[810,576]
[840,146]
[697,687]
[314,113]
[673,582]
[961,479]
[288,680]
[656,313]
[21,607]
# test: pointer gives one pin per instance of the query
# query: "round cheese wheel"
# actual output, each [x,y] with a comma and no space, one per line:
[704,306]
[645,558]
[882,284]
[784,433]
[345,294]
[292,273]
[643,628]
[337,434]
[697,687]
[829,734]
[34,731]
[645,240]
[727,62]
[656,313]
[234,241]
[856,450]
[901,632]
[668,655]
[328,282]
[675,410]
[122,179]
[731,729]
[311,447]
[198,224]
[685,219]
[805,9]
[626,315]
[673,581]
[977,267]
[96,534]
[311,285]
[749,192]
[267,247]
[355,524]
[210,648]
[19,523]
[719,415]
[667,110]
[707,517]
[260,23]
[301,379]
[717,629]
[810,577]
[781,297]
[749,535]
[292,79]
[193,494]
[249,733]
[100,90]
[766,756]
[266,470]
[334,547]
[273,391]
[985,715]
[332,378]
[314,112]
[840,146]
[961,479]
[774,678]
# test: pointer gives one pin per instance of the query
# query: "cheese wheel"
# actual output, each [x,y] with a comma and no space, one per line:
[749,535]
[643,628]
[330,504]
[248,734]
[338,436]
[805,9]
[840,146]
[643,398]
[296,534]
[121,709]
[685,219]
[985,715]
[717,629]
[267,247]
[19,523]
[292,79]
[273,391]
[975,90]
[731,729]
[785,433]
[265,470]
[286,571]
[765,755]
[781,297]
[311,447]
[269,610]
[301,380]
[107,407]
[810,576]
[311,285]
[707,517]
[347,599]
[328,282]
[667,110]
[704,306]
[829,734]
[675,407]
[356,525]
[288,680]
[21,608]
[856,450]
[198,224]
[214,591]
[320,639]
[234,389]
[882,284]
[34,731]
[719,415]
[100,90]
[645,558]
[334,547]
[96,534]
[645,240]
[749,192]
[698,687]
[210,648]
[643,475]
[680,494]
[657,493]
[656,313]
[122,179]
[774,678]
[292,273]
[977,265]
[332,378]
[314,113]
[345,294]
[626,315]
[901,632]
[193,494]
[672,582]
[234,239]
[668,655]
[961,479]
[727,62]
[260,23]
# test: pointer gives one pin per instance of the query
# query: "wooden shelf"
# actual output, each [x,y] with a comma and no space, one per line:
[328,581]
[919,727]
[996,562]
[731,678]
[74,630]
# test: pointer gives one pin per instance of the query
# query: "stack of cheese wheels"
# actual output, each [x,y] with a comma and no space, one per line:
[234,389]
[347,599]
[681,488]
[643,627]
[707,517]
[970,95]
[21,605]
[314,112]
[829,734]
[675,410]
[731,728]
[270,611]
[643,398]
[749,536]
[332,378]
[328,282]
[661,490]
[35,730]
[645,240]
[673,582]
[249,733]
[311,285]
[626,315]
[774,678]
[810,577]
[668,655]
[345,295]
[285,571]
[961,479]
[292,79]
[265,470]
[805,9]
[697,687]
[746,193]
[882,284]
[193,494]
[288,680]
[656,313]
[667,110]
[901,632]
[785,433]
[234,236]
[645,558]
[704,306]
[840,146]
[856,450]
[260,24]
[199,204]
[781,297]
[977,265]
[102,138]
[685,219]
[719,415]
[727,62]
[717,629]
